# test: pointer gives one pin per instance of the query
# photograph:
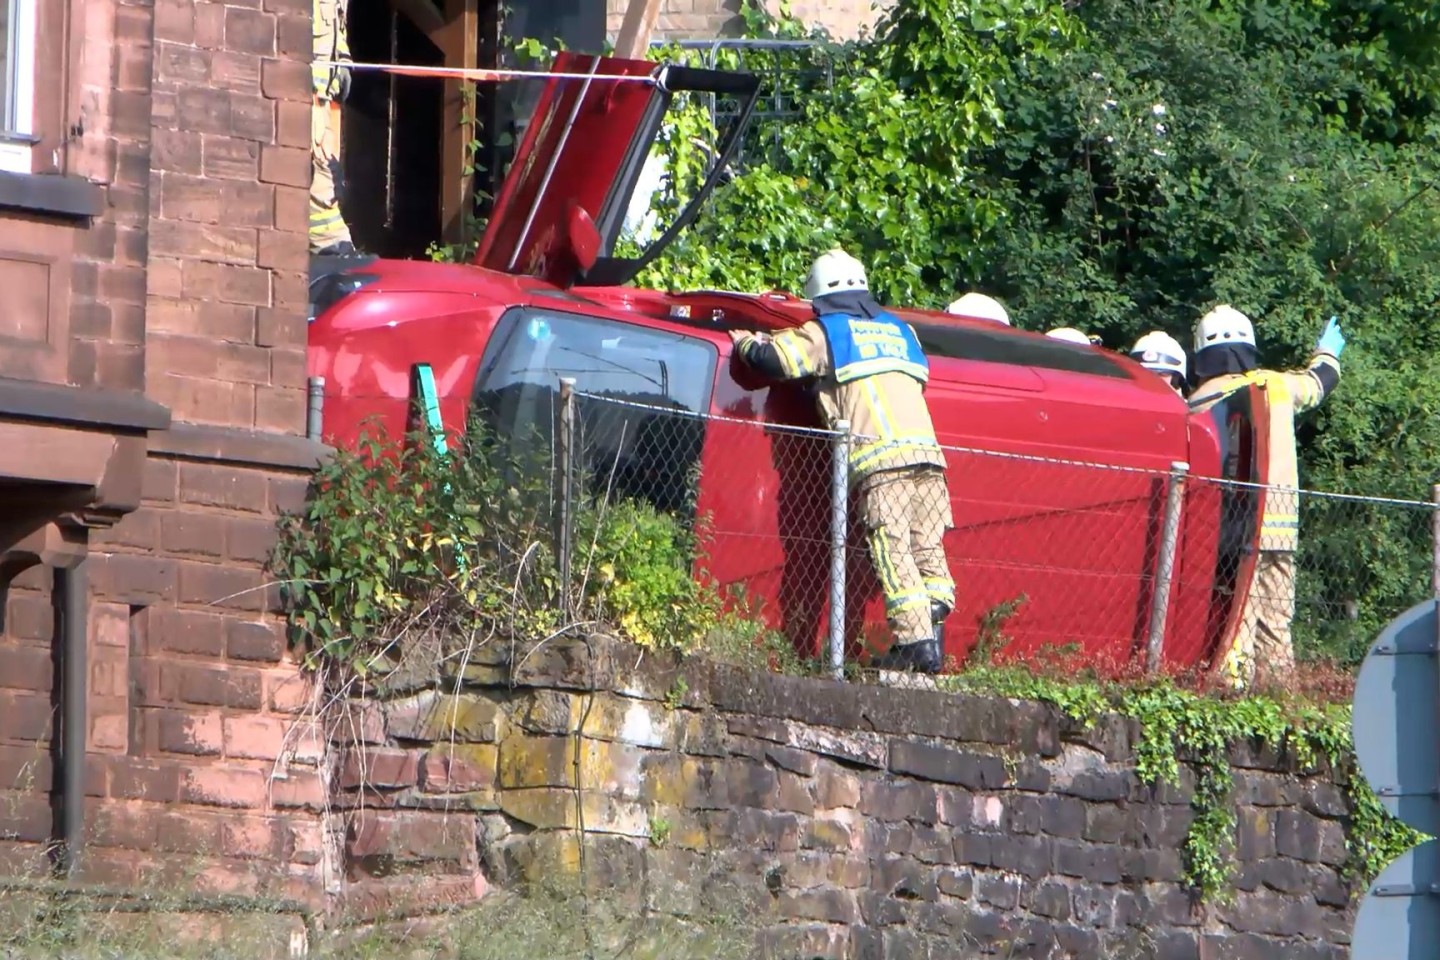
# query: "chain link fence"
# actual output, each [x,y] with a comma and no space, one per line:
[760,507]
[1115,569]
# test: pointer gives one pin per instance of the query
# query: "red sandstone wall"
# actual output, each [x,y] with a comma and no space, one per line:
[191,286]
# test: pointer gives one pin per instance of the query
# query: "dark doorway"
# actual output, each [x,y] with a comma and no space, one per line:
[392,136]
[394,125]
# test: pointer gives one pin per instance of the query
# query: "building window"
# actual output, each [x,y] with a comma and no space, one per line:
[17,84]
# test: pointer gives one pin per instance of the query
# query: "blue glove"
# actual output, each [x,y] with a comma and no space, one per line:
[1331,341]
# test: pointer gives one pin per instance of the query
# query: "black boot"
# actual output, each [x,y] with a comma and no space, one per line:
[938,613]
[921,657]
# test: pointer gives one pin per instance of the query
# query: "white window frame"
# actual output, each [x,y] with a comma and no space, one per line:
[17,117]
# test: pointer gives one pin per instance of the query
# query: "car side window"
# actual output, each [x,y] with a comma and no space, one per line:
[622,373]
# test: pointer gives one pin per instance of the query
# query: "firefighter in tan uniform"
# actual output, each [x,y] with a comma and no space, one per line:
[871,371]
[978,306]
[1226,361]
[329,234]
[1163,356]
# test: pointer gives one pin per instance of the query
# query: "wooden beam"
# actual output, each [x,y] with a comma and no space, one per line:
[636,28]
[457,41]
[424,15]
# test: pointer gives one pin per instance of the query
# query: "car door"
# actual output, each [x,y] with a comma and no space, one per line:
[563,203]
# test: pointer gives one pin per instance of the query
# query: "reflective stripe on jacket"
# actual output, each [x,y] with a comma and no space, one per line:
[1287,393]
[889,419]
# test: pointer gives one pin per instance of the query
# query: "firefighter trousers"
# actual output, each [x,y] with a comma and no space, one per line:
[906,512]
[327,224]
[1262,648]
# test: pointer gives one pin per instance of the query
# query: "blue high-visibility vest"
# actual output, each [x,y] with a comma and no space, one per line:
[861,347]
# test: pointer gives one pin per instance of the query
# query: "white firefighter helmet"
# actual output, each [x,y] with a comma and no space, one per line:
[1160,353]
[1222,326]
[980,307]
[1069,335]
[834,272]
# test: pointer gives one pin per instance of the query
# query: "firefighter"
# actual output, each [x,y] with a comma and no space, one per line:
[980,307]
[1162,355]
[1225,361]
[871,371]
[329,234]
[1071,335]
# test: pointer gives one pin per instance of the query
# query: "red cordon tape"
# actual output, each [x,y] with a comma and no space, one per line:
[478,73]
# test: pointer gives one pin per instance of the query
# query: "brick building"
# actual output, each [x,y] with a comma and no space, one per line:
[153,187]
[704,19]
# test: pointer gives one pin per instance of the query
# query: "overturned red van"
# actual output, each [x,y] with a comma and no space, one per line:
[1059,453]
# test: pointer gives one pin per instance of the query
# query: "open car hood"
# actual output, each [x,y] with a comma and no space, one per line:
[563,203]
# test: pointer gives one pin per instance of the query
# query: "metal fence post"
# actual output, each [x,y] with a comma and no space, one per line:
[314,407]
[839,537]
[565,450]
[1165,567]
[1435,541]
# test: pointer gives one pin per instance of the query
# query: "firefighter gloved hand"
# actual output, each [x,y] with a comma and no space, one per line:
[744,339]
[1331,341]
[342,84]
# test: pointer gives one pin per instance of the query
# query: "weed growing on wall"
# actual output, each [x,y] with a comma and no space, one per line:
[398,539]
[1176,724]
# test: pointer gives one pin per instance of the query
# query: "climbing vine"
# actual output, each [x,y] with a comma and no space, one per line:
[1180,727]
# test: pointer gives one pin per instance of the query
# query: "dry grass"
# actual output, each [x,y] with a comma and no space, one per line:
[552,925]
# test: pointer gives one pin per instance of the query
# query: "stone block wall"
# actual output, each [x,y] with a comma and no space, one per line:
[27,722]
[107,310]
[203,757]
[229,186]
[850,821]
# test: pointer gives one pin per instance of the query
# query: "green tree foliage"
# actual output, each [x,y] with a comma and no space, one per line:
[1122,165]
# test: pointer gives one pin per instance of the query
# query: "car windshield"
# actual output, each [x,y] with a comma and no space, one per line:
[622,373]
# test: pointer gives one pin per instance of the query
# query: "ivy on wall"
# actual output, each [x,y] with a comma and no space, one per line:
[1175,724]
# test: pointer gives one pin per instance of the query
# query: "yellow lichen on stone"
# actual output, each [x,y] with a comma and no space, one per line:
[544,808]
[614,768]
[640,722]
[551,808]
[536,761]
[676,781]
[471,718]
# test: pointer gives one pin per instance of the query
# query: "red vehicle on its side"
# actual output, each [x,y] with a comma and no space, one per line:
[1035,520]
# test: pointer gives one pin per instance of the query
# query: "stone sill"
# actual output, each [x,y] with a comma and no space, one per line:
[104,410]
[51,195]
[187,441]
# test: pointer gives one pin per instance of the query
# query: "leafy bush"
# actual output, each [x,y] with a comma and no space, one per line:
[641,576]
[401,538]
